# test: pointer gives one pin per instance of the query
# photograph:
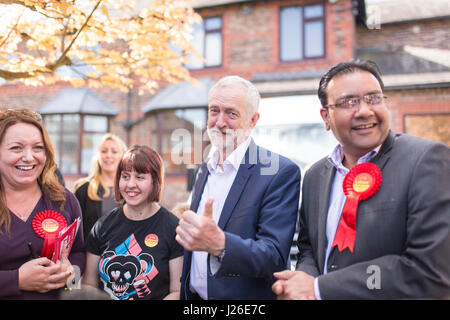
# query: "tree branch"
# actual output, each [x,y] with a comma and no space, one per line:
[62,60]
[63,57]
[11,75]
[10,31]
[21,3]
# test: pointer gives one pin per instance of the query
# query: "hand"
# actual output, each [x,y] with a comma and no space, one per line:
[65,264]
[294,285]
[200,233]
[42,275]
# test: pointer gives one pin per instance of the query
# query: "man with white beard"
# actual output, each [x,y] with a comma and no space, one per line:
[242,219]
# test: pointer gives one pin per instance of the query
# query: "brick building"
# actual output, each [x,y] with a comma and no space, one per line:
[283,46]
[411,44]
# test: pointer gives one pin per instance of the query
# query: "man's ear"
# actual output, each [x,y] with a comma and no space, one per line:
[254,120]
[324,113]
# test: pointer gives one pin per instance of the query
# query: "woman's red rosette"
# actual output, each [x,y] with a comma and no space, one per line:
[47,224]
[360,183]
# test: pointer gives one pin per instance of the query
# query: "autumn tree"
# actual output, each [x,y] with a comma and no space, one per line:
[118,43]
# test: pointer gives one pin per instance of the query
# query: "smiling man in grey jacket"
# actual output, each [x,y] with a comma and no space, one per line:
[398,245]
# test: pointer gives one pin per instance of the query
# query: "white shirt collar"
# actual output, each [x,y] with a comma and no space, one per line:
[233,160]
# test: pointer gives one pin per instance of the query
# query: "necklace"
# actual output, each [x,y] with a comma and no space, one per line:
[23,217]
[24,213]
[24,210]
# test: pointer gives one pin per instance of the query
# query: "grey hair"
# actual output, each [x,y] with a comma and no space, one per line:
[252,95]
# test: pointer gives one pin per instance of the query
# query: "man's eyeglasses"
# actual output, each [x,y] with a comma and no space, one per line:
[371,99]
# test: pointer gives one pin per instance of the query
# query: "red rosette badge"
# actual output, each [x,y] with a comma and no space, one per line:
[47,224]
[360,183]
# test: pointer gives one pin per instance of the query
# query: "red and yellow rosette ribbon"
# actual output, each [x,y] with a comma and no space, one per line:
[47,224]
[360,183]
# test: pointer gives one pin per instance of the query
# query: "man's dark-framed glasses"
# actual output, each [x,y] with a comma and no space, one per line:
[354,102]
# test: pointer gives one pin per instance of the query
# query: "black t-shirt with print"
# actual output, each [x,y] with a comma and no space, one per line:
[134,255]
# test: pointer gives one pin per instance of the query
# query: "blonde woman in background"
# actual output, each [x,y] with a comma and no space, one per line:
[96,192]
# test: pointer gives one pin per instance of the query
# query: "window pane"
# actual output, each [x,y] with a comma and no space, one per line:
[315,11]
[171,120]
[291,33]
[197,42]
[71,122]
[184,142]
[289,122]
[194,118]
[90,144]
[213,49]
[180,151]
[179,128]
[54,137]
[154,122]
[213,23]
[95,123]
[52,123]
[69,154]
[165,145]
[430,126]
[154,143]
[154,132]
[209,46]
[314,39]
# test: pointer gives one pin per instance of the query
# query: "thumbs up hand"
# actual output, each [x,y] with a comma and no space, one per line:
[208,208]
[200,232]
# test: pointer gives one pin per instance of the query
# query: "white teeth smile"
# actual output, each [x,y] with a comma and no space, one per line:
[365,126]
[132,194]
[24,168]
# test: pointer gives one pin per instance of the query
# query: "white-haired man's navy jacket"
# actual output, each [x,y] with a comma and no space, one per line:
[258,218]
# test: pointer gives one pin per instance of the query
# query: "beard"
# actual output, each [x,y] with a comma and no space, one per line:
[226,140]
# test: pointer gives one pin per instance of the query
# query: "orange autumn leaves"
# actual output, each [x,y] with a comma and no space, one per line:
[122,44]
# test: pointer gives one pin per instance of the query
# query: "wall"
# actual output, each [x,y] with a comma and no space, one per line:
[251,39]
[417,101]
[431,34]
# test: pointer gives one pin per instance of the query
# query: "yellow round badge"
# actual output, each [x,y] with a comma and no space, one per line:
[362,182]
[151,240]
[50,225]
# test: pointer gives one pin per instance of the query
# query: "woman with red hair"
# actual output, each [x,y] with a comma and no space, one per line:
[34,206]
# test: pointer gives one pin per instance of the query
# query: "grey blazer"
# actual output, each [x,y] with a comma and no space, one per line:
[402,232]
